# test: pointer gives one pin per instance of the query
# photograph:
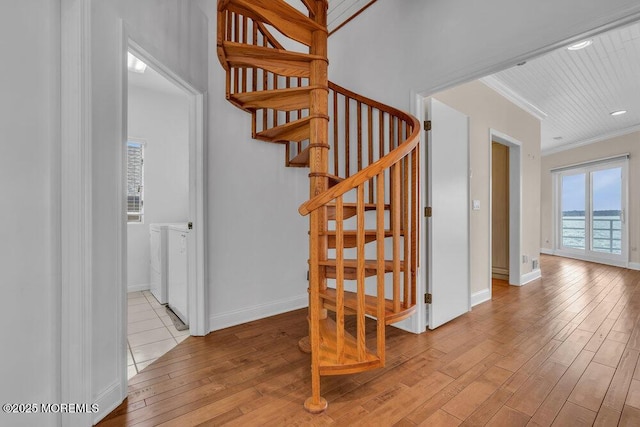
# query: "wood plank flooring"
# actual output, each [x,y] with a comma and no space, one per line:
[560,351]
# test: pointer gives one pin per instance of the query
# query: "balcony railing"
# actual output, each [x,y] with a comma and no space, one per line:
[606,235]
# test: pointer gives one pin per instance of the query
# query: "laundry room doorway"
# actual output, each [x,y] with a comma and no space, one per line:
[163,173]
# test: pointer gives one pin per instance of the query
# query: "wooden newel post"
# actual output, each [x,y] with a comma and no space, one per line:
[319,167]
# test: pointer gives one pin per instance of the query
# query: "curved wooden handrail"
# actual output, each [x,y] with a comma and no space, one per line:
[373,169]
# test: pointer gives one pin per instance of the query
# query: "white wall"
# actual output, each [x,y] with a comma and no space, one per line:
[161,119]
[258,243]
[611,147]
[29,184]
[487,110]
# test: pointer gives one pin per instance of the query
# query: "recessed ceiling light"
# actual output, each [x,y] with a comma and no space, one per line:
[580,45]
[134,64]
[618,113]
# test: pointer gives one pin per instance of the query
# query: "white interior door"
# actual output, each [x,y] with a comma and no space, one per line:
[448,227]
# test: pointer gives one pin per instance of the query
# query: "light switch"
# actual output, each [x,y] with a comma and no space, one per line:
[476,205]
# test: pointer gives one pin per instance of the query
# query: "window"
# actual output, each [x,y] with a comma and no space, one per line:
[590,211]
[135,181]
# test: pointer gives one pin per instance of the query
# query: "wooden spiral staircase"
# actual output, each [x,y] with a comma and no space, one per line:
[363,204]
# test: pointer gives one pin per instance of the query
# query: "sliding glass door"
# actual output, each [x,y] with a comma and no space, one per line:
[590,219]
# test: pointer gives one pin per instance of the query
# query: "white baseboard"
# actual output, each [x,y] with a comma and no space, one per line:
[108,400]
[137,288]
[480,297]
[530,277]
[248,314]
[547,251]
[634,265]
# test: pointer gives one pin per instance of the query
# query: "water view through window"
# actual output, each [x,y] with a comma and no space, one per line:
[600,230]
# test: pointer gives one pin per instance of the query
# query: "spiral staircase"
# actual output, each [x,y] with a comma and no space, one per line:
[363,161]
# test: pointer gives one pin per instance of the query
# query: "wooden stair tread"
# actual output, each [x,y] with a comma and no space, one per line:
[354,233]
[350,210]
[329,363]
[350,237]
[351,271]
[285,18]
[279,99]
[370,305]
[295,131]
[369,264]
[278,61]
[302,159]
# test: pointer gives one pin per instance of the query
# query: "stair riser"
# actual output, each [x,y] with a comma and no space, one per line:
[282,68]
[349,241]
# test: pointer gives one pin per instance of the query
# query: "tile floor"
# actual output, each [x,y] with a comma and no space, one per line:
[150,332]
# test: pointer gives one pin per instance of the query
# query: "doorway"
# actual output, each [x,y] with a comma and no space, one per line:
[509,216]
[499,211]
[157,195]
[164,125]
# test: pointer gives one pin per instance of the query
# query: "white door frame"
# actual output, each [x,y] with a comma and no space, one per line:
[515,205]
[76,321]
[197,303]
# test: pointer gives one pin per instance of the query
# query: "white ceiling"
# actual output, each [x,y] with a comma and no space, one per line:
[153,80]
[574,92]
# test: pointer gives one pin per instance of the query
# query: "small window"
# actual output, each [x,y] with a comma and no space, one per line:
[135,181]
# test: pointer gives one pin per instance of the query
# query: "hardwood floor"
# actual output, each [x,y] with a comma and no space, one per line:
[561,351]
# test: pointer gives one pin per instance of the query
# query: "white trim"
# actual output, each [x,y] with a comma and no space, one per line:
[108,400]
[480,297]
[590,163]
[121,199]
[76,213]
[530,276]
[605,261]
[634,265]
[138,288]
[576,144]
[236,317]
[419,322]
[547,251]
[493,83]
[198,292]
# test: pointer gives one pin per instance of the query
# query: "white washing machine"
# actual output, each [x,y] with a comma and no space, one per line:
[158,260]
[177,262]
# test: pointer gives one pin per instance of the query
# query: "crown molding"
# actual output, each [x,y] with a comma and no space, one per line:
[514,97]
[581,143]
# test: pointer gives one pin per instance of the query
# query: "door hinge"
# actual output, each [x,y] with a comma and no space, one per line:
[427,211]
[427,298]
[190,225]
[427,125]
